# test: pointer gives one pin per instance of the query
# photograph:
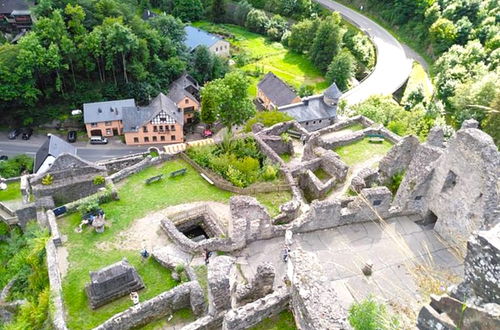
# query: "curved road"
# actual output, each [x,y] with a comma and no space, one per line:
[393,65]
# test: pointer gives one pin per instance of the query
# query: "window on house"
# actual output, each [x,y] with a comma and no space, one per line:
[320,120]
[108,131]
[107,123]
[154,139]
[144,129]
[172,137]
[155,128]
[146,139]
[186,101]
[136,140]
[161,128]
[307,123]
[162,138]
[93,125]
[172,127]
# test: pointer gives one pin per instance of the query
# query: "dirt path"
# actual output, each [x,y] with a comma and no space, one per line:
[146,232]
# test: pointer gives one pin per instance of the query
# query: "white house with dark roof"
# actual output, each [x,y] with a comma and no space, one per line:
[272,92]
[317,111]
[49,151]
[196,37]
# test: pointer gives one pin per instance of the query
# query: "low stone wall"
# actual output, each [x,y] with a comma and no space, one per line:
[313,299]
[369,205]
[114,165]
[208,322]
[57,310]
[219,182]
[187,295]
[102,196]
[136,168]
[315,188]
[54,228]
[398,158]
[364,178]
[251,314]
[268,151]
[347,139]
[26,213]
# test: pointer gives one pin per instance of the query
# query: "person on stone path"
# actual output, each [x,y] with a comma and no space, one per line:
[144,254]
[207,257]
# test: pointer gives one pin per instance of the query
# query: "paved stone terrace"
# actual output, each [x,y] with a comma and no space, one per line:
[343,251]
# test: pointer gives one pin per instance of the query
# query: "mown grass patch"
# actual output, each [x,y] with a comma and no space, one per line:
[282,321]
[266,55]
[273,200]
[362,151]
[13,192]
[322,175]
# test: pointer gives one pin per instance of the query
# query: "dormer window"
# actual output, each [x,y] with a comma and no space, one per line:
[99,110]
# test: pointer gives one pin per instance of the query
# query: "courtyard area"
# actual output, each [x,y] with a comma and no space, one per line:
[131,224]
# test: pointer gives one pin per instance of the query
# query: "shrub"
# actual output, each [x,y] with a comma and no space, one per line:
[267,118]
[285,137]
[16,166]
[370,315]
[395,182]
[47,180]
[269,173]
[306,90]
[90,205]
[99,180]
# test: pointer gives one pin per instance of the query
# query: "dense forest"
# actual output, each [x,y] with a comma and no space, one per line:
[462,39]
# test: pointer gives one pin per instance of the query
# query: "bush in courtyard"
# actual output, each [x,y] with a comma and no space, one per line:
[90,205]
[257,21]
[269,173]
[370,315]
[99,180]
[47,180]
[395,182]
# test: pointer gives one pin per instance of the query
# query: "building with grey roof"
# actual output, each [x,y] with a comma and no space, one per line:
[97,112]
[184,86]
[196,37]
[272,92]
[317,111]
[49,151]
[15,14]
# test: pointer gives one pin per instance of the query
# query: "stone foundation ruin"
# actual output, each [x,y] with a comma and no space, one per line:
[112,282]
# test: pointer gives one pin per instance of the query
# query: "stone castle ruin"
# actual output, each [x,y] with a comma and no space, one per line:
[449,191]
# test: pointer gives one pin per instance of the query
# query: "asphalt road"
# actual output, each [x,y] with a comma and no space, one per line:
[393,65]
[84,150]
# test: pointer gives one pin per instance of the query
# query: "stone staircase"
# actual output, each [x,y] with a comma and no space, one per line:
[7,215]
[179,147]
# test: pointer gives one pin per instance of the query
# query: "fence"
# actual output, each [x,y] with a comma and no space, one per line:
[219,182]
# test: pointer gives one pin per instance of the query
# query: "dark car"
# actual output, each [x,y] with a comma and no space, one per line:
[71,136]
[14,133]
[27,133]
[3,157]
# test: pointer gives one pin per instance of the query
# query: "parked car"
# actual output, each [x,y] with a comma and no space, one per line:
[207,133]
[4,157]
[71,136]
[14,133]
[27,133]
[98,140]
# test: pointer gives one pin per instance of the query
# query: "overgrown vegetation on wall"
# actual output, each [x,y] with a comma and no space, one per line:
[16,166]
[368,314]
[22,257]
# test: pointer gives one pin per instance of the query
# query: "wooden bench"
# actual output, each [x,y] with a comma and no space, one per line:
[375,138]
[182,171]
[153,179]
[294,134]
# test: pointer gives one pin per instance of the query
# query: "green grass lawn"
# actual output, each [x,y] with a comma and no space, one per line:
[362,150]
[13,192]
[282,321]
[295,69]
[286,157]
[322,175]
[273,200]
[136,200]
[353,128]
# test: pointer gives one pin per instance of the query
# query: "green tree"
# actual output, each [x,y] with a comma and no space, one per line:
[227,100]
[188,10]
[257,21]
[218,11]
[276,27]
[341,70]
[301,35]
[169,26]
[443,34]
[371,315]
[203,64]
[327,42]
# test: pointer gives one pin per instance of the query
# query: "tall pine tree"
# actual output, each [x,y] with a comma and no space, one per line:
[326,44]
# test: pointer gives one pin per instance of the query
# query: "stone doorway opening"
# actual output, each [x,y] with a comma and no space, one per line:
[429,220]
[198,226]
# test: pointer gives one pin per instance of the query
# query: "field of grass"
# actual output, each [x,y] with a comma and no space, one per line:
[136,200]
[266,55]
[273,200]
[362,150]
[322,175]
[354,127]
[418,77]
[13,192]
[282,321]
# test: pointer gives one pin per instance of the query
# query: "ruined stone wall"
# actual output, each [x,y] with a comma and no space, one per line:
[57,312]
[398,158]
[260,286]
[221,279]
[187,295]
[463,193]
[251,314]
[136,168]
[68,189]
[314,187]
[117,164]
[309,293]
[277,144]
[479,293]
